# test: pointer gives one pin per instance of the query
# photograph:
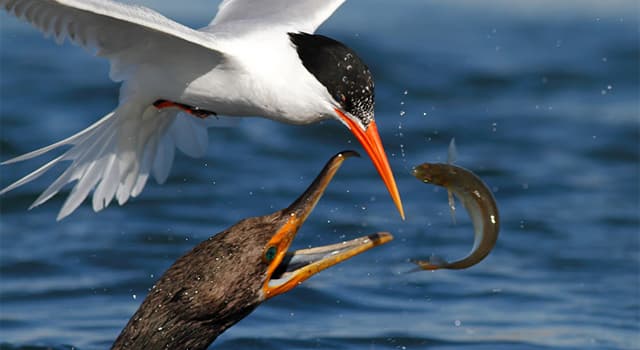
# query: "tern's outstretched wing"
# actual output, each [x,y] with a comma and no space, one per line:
[252,15]
[126,34]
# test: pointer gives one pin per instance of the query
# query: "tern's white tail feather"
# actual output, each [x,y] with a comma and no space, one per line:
[115,156]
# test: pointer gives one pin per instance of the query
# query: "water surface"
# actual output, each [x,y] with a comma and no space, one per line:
[542,98]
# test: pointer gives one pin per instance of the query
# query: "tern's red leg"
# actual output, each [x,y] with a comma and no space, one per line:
[194,111]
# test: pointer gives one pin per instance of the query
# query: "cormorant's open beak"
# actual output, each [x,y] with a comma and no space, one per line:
[289,269]
[370,140]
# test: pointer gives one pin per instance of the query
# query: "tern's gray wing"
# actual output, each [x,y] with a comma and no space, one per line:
[125,34]
[259,15]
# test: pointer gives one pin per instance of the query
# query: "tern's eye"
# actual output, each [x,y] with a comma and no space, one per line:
[270,253]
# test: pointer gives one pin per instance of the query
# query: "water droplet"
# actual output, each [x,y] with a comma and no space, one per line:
[349,67]
[159,328]
[402,113]
[406,92]
[458,323]
[135,297]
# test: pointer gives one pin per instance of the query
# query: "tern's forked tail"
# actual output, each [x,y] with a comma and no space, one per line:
[114,156]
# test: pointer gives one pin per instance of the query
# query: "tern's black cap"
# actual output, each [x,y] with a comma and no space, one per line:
[340,70]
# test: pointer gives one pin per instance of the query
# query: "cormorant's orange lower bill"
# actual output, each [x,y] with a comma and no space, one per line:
[370,140]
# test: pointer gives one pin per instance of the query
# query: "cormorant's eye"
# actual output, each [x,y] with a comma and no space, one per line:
[270,253]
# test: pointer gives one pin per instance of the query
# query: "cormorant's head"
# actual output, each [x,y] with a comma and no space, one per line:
[287,269]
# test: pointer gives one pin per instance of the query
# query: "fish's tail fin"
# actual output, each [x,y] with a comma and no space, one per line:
[115,156]
[435,262]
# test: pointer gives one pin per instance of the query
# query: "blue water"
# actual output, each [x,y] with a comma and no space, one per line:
[542,98]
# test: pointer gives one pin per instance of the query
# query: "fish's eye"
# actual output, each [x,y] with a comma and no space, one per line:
[270,253]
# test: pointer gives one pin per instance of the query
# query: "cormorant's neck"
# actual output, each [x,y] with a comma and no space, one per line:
[140,334]
[202,294]
[156,326]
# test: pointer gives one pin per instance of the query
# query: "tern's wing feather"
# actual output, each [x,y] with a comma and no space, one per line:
[299,15]
[126,34]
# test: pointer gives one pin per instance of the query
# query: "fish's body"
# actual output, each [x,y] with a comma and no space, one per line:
[479,202]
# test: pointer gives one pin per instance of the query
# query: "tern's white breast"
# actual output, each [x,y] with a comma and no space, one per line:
[261,75]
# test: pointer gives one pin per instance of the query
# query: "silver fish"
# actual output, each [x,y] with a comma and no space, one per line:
[479,202]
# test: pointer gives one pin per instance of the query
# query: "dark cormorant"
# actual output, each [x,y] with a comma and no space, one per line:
[227,276]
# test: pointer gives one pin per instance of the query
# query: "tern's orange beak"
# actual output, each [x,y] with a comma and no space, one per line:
[371,142]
